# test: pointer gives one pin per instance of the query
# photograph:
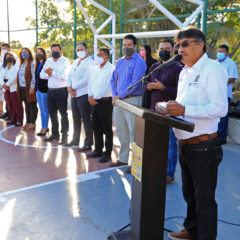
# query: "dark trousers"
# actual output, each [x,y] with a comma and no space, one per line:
[199,164]
[57,101]
[14,107]
[102,124]
[81,111]
[31,109]
[223,126]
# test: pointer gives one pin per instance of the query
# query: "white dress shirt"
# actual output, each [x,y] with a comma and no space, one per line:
[11,76]
[99,85]
[59,76]
[231,68]
[79,75]
[202,89]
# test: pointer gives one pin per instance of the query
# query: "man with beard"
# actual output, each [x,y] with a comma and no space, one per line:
[163,84]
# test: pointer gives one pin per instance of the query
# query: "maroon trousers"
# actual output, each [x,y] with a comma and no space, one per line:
[15,108]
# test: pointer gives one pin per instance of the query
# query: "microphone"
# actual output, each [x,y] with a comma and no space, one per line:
[176,58]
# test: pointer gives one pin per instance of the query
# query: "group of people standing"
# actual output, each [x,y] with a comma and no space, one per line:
[195,89]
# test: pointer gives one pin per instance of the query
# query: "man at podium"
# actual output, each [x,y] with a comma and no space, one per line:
[202,100]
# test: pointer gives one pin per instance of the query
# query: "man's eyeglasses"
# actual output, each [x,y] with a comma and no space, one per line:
[185,43]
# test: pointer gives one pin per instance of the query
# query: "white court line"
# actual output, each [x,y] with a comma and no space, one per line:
[26,145]
[80,178]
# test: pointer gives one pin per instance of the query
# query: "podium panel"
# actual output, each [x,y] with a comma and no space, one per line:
[149,193]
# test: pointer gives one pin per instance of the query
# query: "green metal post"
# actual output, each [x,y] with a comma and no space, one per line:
[121,25]
[8,23]
[111,9]
[205,17]
[110,26]
[36,3]
[199,21]
[75,29]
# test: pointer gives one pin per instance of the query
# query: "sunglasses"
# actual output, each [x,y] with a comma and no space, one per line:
[185,43]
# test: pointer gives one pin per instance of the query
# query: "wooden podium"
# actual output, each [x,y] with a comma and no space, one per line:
[149,194]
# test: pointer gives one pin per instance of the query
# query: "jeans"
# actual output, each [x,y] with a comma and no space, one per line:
[42,99]
[223,126]
[199,164]
[172,154]
[57,101]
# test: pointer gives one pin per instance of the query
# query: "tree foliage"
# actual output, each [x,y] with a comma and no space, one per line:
[221,27]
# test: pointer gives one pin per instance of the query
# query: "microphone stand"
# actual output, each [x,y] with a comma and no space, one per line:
[162,66]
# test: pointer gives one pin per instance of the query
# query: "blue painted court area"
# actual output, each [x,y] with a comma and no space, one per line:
[90,206]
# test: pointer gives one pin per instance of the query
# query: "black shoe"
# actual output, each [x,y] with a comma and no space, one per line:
[51,138]
[94,154]
[63,141]
[5,115]
[72,143]
[85,148]
[43,133]
[10,123]
[18,124]
[105,158]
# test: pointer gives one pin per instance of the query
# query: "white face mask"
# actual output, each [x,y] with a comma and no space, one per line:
[98,60]
[4,51]
[81,54]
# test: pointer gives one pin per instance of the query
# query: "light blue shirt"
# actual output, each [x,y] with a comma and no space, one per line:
[127,72]
[231,68]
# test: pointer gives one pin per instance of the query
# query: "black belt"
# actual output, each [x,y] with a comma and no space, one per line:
[104,99]
[55,89]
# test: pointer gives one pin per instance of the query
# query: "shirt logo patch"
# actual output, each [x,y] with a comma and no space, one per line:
[195,81]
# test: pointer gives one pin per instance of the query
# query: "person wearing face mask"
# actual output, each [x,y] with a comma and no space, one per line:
[41,90]
[8,80]
[163,85]
[5,48]
[56,70]
[129,70]
[146,54]
[26,88]
[100,97]
[232,71]
[77,87]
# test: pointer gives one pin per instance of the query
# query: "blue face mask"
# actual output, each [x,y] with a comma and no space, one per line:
[221,56]
[25,55]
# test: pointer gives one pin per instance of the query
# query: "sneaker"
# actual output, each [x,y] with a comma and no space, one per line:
[183,235]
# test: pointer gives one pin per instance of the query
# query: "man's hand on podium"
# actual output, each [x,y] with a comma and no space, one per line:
[175,109]
[172,108]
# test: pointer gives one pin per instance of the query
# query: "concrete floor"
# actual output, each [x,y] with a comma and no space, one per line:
[51,193]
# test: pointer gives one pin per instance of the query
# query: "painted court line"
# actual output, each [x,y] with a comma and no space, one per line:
[80,178]
[27,145]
